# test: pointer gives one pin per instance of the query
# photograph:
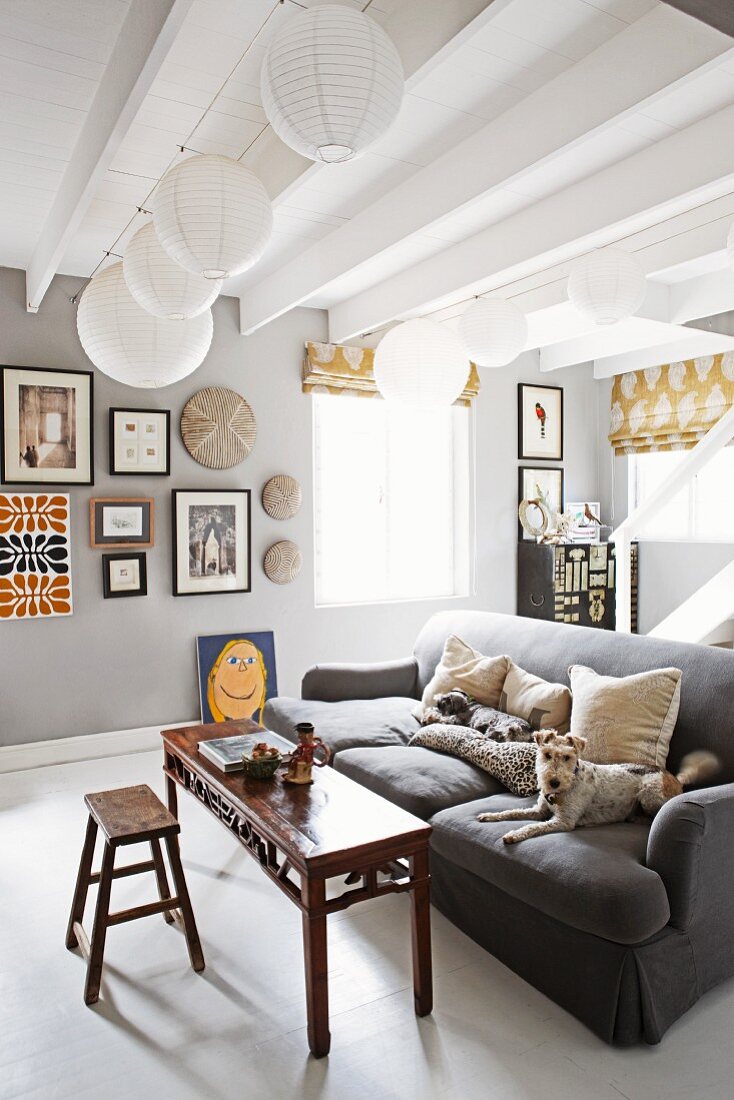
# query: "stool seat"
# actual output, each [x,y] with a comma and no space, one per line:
[130,815]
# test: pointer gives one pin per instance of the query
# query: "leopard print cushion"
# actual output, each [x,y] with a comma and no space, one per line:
[512,763]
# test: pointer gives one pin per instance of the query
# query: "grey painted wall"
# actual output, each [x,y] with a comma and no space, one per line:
[121,664]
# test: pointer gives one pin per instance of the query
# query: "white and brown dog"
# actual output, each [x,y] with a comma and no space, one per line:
[574,792]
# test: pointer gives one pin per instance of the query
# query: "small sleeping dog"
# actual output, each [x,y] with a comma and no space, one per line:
[456,708]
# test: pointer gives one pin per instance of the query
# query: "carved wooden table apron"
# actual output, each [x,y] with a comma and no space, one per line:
[330,829]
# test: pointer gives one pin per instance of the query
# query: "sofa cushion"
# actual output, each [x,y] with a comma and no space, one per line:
[593,879]
[463,667]
[418,780]
[346,724]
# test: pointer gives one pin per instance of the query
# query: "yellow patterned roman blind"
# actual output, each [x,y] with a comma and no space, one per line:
[671,407]
[338,368]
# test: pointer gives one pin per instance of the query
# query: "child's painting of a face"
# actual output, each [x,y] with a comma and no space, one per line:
[236,676]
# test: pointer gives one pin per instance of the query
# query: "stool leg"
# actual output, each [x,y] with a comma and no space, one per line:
[192,936]
[160,874]
[99,931]
[82,883]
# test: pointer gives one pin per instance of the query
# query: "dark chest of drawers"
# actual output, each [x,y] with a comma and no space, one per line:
[573,583]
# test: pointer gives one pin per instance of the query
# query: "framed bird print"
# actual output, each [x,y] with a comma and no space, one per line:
[539,422]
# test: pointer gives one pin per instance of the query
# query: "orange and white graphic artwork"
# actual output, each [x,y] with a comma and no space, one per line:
[35,562]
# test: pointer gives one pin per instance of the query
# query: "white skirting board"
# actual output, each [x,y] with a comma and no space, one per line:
[93,746]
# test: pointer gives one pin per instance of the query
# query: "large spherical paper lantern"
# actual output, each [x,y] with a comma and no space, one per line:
[607,286]
[331,83]
[212,216]
[131,345]
[421,363]
[494,331]
[160,285]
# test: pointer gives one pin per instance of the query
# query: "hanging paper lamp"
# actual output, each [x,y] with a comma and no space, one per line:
[421,363]
[494,331]
[131,345]
[212,216]
[160,285]
[607,286]
[331,83]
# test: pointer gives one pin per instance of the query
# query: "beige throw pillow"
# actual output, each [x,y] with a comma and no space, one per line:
[542,704]
[463,667]
[628,719]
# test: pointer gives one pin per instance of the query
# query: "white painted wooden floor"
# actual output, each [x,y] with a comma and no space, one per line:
[238,1030]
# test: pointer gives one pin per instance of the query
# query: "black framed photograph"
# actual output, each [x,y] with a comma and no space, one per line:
[140,441]
[121,521]
[124,575]
[211,541]
[47,427]
[541,483]
[539,422]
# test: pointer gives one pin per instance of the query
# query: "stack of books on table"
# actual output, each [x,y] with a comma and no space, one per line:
[226,752]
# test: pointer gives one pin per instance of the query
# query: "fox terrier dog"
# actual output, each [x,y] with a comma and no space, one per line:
[575,792]
[456,708]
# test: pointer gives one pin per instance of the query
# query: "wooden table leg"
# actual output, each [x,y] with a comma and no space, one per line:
[82,883]
[313,895]
[172,796]
[420,908]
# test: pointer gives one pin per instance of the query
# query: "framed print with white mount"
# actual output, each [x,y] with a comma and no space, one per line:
[542,483]
[211,541]
[124,575]
[117,522]
[140,441]
[47,427]
[539,421]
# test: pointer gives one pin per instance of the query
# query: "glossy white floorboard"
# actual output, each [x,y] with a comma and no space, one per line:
[238,1030]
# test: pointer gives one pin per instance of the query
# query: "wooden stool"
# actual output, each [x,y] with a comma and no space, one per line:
[129,815]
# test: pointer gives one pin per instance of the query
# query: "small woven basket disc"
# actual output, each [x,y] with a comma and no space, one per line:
[218,427]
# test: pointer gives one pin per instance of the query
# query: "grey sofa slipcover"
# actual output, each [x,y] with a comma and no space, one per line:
[645,912]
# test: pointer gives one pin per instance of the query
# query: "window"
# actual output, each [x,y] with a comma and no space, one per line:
[700,510]
[392,489]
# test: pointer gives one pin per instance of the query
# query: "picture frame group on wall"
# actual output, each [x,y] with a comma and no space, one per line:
[118,522]
[543,483]
[47,425]
[539,422]
[124,575]
[140,442]
[212,551]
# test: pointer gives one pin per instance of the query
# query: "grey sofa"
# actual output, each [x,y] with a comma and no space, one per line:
[643,913]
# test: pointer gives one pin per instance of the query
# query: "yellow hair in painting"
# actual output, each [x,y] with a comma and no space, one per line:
[239,666]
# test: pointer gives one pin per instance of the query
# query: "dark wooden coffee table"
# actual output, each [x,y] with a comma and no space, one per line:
[303,835]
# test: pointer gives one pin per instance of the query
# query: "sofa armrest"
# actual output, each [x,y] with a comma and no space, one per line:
[332,683]
[690,847]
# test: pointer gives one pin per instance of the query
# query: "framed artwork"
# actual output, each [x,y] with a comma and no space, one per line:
[544,483]
[585,521]
[115,522]
[35,557]
[46,418]
[236,675]
[124,575]
[539,421]
[211,541]
[140,441]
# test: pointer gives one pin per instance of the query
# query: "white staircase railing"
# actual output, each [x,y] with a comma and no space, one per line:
[716,437]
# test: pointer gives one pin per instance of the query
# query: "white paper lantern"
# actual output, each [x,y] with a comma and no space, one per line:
[421,363]
[331,83]
[160,285]
[607,286]
[494,331]
[131,345]
[212,216]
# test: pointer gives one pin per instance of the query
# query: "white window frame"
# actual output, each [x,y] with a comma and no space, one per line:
[695,529]
[463,476]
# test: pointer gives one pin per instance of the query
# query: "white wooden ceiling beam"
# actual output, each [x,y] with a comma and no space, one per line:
[145,37]
[685,343]
[661,49]
[673,176]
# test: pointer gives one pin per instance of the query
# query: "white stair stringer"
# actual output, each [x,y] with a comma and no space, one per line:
[702,616]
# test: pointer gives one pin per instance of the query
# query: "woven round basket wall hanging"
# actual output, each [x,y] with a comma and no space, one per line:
[283,562]
[282,496]
[218,427]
